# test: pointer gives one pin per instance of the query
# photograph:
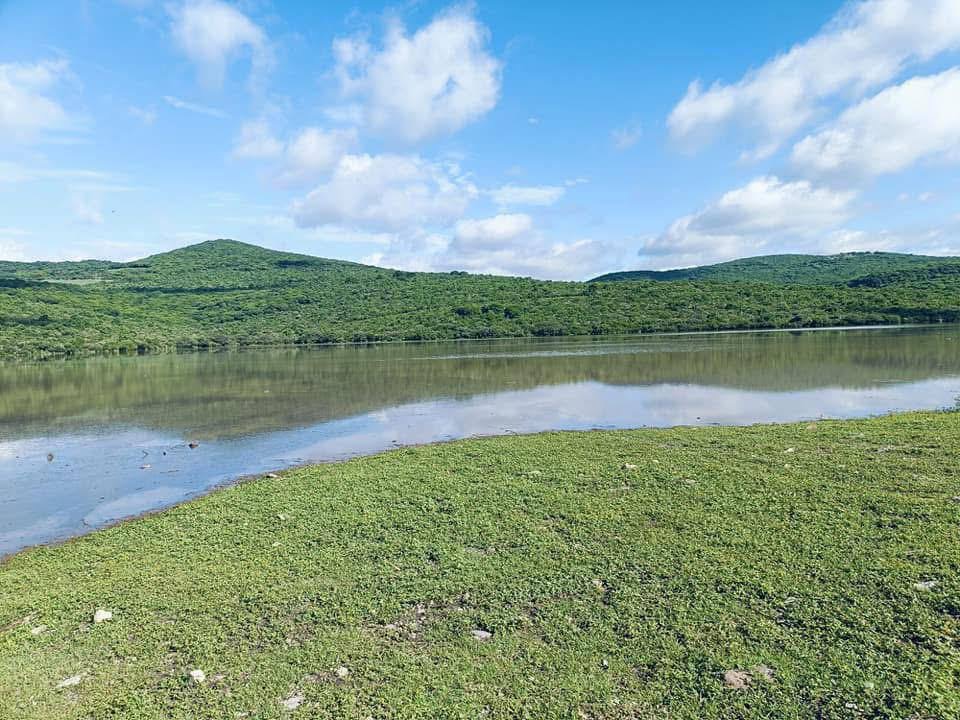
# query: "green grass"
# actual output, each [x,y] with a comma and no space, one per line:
[610,591]
[225,294]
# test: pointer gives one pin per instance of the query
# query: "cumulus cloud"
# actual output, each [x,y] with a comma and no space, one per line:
[308,155]
[505,244]
[763,214]
[256,141]
[492,233]
[432,82]
[387,193]
[943,239]
[313,152]
[888,132]
[26,108]
[212,33]
[865,46]
[527,195]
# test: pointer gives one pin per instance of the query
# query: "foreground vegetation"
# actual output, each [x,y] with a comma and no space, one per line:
[228,294]
[798,571]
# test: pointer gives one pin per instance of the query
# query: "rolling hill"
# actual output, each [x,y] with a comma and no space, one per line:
[794,269]
[227,294]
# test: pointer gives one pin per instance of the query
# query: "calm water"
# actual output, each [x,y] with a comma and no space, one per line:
[118,429]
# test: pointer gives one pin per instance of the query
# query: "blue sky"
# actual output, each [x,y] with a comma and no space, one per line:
[556,140]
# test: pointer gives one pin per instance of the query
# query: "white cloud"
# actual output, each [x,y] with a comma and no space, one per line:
[145,115]
[904,124]
[865,46]
[11,244]
[387,193]
[763,215]
[256,141]
[491,233]
[14,173]
[626,137]
[314,152]
[26,109]
[212,33]
[527,195]
[193,107]
[505,244]
[433,82]
[86,208]
[941,239]
[311,153]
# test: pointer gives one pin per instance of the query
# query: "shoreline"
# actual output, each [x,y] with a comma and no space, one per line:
[110,354]
[641,566]
[279,473]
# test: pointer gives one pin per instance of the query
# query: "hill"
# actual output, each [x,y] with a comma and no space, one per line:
[229,294]
[793,269]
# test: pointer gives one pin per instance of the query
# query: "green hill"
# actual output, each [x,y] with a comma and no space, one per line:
[793,269]
[229,294]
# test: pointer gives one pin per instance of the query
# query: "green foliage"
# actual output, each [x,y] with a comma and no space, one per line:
[794,269]
[620,574]
[228,294]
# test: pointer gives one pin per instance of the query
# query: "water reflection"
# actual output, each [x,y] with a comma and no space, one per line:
[118,428]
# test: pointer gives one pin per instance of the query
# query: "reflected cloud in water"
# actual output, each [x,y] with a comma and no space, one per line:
[108,464]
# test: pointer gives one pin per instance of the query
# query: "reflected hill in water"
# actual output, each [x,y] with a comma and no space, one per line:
[229,395]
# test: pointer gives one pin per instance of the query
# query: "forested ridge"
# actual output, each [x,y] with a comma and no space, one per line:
[800,269]
[229,294]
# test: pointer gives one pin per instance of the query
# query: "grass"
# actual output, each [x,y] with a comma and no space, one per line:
[610,591]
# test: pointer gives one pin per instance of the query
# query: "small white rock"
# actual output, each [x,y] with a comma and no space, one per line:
[69,682]
[342,672]
[628,466]
[790,450]
[198,676]
[272,476]
[281,517]
[926,585]
[482,635]
[38,630]
[102,616]
[293,702]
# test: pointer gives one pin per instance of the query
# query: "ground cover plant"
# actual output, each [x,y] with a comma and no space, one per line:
[796,571]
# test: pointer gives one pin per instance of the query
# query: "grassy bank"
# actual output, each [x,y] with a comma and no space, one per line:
[619,575]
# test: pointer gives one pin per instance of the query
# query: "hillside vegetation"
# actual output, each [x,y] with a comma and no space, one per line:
[228,294]
[797,269]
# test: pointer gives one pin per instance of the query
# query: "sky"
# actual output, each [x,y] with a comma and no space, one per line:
[549,139]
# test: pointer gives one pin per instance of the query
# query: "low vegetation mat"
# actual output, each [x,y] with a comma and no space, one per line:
[794,571]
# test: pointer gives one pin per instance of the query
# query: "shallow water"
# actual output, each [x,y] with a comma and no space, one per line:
[118,429]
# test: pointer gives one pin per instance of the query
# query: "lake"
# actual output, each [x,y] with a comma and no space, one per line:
[84,443]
